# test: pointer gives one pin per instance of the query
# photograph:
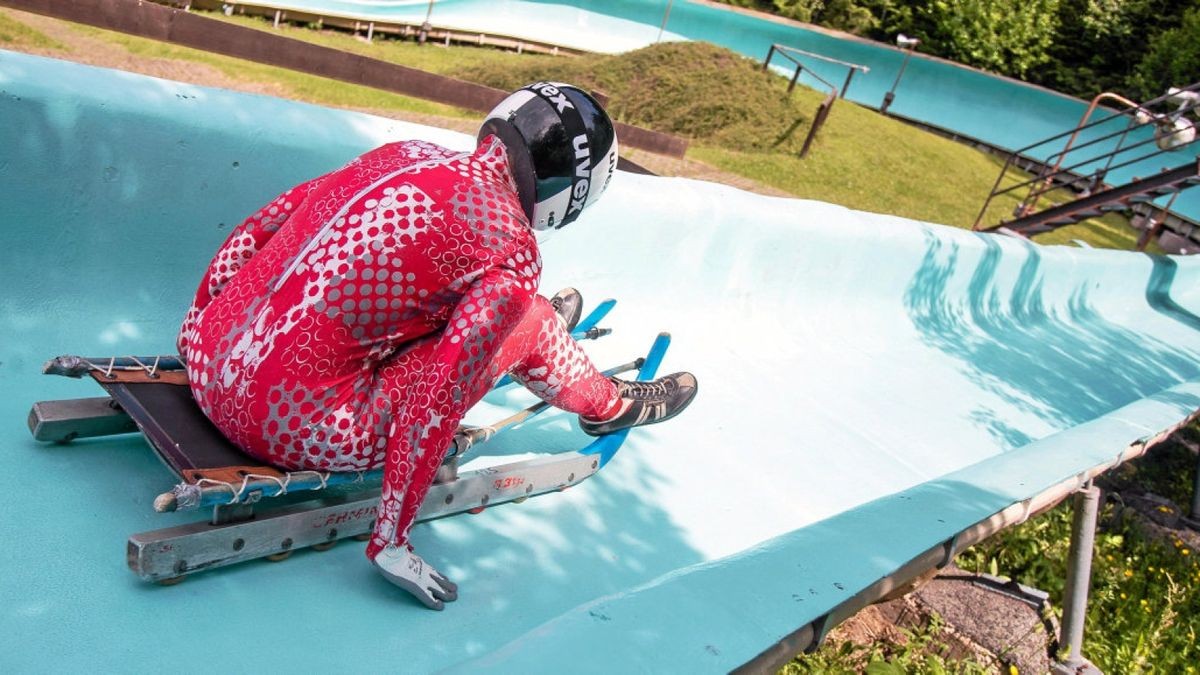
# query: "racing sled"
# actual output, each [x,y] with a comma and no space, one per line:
[263,512]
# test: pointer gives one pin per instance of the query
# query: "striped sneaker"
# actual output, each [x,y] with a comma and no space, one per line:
[645,403]
[568,304]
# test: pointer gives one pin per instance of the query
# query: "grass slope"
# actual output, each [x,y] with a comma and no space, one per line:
[15,35]
[744,121]
[740,119]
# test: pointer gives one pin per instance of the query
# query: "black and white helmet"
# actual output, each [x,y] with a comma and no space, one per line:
[562,150]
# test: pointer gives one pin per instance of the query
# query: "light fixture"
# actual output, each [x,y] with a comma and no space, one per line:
[908,44]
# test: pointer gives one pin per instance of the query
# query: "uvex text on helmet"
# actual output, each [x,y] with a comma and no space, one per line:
[562,149]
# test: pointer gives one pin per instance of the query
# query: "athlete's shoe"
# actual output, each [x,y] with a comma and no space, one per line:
[568,304]
[645,403]
[407,570]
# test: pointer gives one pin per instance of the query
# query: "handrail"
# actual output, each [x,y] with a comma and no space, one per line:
[1052,166]
[1031,200]
[784,50]
[822,57]
[824,107]
[1146,105]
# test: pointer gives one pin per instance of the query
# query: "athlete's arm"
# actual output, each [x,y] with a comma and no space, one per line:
[455,378]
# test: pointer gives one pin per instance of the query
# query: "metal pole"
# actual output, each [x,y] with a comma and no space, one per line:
[666,15]
[423,33]
[1196,495]
[792,84]
[891,94]
[846,86]
[1079,575]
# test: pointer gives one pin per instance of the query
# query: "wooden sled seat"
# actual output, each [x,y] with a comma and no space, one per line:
[151,394]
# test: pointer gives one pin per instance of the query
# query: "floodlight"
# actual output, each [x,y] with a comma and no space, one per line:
[1183,97]
[1171,134]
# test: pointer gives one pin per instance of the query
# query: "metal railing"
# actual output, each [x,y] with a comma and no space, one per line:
[827,104]
[787,52]
[1085,172]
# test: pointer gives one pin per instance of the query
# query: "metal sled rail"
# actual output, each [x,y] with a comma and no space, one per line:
[253,487]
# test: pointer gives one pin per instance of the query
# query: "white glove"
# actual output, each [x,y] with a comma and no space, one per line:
[407,570]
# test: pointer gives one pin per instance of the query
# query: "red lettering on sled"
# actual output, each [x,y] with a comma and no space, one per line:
[342,517]
[509,482]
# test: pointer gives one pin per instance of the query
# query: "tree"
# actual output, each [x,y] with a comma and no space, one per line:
[1172,61]
[1005,36]
[800,10]
[848,16]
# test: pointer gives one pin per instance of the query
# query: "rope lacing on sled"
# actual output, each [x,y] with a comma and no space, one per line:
[151,370]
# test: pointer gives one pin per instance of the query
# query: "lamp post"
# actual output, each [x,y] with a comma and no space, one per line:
[908,44]
[423,33]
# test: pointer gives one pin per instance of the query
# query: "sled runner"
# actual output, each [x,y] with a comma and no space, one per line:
[260,511]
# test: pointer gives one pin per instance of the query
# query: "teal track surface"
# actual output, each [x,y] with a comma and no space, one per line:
[961,99]
[869,386]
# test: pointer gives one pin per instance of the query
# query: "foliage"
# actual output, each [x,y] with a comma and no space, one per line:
[1082,47]
[1173,59]
[1100,44]
[1171,474]
[800,10]
[1008,36]
[920,652]
[1144,604]
[13,33]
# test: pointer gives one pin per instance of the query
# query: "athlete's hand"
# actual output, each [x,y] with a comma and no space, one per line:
[406,569]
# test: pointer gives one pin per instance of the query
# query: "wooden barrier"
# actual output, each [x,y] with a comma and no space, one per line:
[403,29]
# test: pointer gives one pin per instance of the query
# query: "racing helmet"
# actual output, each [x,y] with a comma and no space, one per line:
[562,150]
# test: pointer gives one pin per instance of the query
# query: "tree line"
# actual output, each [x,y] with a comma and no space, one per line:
[1081,47]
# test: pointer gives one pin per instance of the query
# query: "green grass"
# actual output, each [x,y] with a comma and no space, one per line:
[431,57]
[743,121]
[922,653]
[299,86]
[740,120]
[15,34]
[1144,603]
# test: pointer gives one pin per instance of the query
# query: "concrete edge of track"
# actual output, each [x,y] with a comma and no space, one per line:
[760,604]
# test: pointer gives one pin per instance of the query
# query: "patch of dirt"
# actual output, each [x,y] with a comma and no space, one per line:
[97,52]
[977,624]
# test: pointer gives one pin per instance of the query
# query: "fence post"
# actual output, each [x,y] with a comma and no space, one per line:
[849,76]
[1079,577]
[818,121]
[792,84]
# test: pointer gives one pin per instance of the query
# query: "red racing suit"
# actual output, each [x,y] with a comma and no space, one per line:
[351,322]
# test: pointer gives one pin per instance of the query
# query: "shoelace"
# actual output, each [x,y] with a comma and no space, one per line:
[645,391]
